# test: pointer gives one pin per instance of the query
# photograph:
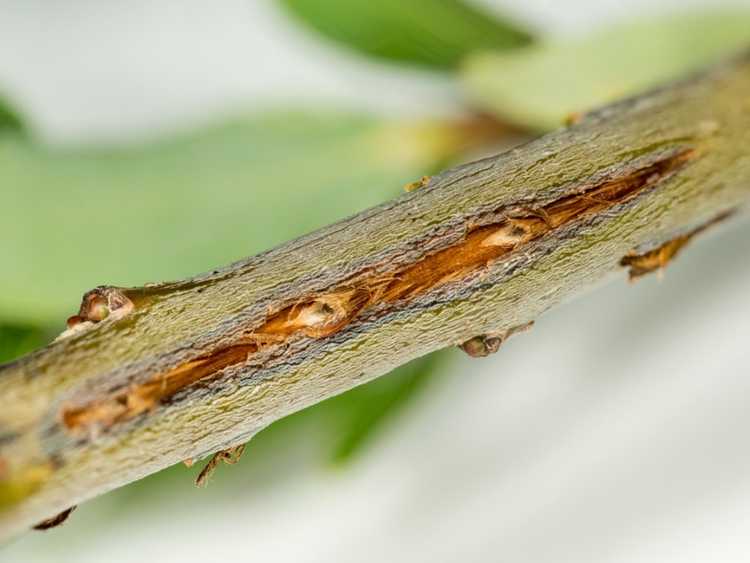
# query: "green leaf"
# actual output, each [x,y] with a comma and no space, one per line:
[435,33]
[74,219]
[541,85]
[360,413]
[10,120]
[17,339]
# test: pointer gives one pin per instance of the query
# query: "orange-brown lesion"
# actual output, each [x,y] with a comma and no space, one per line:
[317,318]
[323,315]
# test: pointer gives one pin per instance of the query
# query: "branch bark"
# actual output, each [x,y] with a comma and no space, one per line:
[147,377]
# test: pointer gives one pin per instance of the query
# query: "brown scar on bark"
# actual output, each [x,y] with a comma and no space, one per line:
[320,316]
[103,302]
[55,520]
[230,456]
[421,183]
[484,345]
[655,260]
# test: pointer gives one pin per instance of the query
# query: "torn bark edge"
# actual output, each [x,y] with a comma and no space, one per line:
[230,456]
[656,260]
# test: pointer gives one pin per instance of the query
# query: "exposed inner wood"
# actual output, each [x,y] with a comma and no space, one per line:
[322,315]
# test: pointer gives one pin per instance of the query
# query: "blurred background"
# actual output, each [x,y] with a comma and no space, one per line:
[146,141]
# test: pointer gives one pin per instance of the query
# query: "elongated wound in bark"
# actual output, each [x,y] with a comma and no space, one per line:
[324,315]
[179,370]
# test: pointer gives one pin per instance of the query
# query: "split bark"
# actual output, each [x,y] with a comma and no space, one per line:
[147,377]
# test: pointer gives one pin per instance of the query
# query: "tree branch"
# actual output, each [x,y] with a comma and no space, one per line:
[147,377]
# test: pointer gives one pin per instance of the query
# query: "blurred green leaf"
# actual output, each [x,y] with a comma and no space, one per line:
[10,120]
[74,219]
[360,412]
[71,219]
[436,33]
[541,85]
[16,340]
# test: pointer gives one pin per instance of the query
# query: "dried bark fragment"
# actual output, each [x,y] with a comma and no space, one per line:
[229,456]
[56,520]
[655,260]
[421,183]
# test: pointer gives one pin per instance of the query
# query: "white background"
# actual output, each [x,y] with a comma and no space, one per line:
[615,431]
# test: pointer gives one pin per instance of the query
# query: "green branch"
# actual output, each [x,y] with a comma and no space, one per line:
[147,377]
